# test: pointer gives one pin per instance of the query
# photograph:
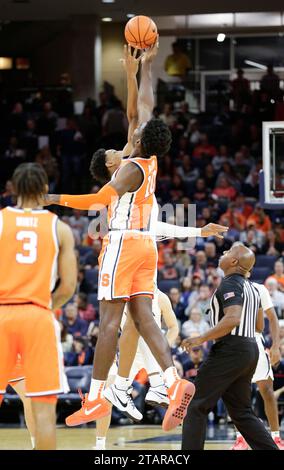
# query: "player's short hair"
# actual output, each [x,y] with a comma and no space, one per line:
[29,181]
[156,138]
[98,167]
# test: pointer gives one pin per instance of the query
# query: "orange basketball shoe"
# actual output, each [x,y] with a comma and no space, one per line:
[180,395]
[89,411]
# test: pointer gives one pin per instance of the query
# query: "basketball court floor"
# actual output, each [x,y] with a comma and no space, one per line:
[149,437]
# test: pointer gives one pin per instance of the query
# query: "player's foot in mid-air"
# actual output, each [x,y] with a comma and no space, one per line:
[180,395]
[89,411]
[240,444]
[157,396]
[122,400]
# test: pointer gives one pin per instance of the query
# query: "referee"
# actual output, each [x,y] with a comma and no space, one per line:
[228,371]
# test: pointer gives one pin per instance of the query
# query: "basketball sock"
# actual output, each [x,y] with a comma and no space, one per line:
[170,376]
[275,434]
[122,383]
[96,389]
[156,380]
[33,442]
[100,443]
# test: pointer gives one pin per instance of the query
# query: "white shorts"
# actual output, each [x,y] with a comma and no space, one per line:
[263,369]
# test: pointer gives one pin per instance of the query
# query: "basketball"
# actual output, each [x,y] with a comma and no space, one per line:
[140,32]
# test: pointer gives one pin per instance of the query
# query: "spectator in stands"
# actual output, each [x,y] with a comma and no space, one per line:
[272,246]
[83,284]
[278,274]
[259,219]
[66,338]
[171,269]
[242,207]
[177,188]
[270,83]
[240,90]
[194,132]
[199,266]
[199,299]
[221,157]
[86,311]
[196,359]
[167,115]
[250,187]
[201,191]
[276,295]
[17,119]
[76,326]
[80,355]
[253,239]
[14,151]
[49,163]
[195,325]
[93,333]
[233,218]
[92,258]
[210,252]
[186,291]
[8,197]
[187,172]
[178,63]
[79,222]
[47,120]
[204,148]
[224,190]
[30,139]
[115,126]
[210,176]
[178,306]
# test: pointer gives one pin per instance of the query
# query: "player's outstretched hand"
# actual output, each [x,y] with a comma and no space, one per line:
[190,343]
[130,60]
[150,54]
[214,230]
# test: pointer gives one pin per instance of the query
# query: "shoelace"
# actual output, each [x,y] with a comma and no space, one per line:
[129,397]
[83,398]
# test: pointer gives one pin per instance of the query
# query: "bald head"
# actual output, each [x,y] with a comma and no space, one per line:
[239,259]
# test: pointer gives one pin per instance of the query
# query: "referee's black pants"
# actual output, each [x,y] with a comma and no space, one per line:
[227,373]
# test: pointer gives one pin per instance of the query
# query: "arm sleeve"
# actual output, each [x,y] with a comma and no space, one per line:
[96,201]
[230,293]
[175,231]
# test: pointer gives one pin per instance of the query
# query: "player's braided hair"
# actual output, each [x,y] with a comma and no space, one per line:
[98,167]
[29,181]
[156,138]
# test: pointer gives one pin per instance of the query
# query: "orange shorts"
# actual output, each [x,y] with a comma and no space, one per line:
[30,331]
[128,264]
[17,373]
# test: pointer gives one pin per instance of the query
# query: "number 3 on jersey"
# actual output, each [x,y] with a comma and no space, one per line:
[29,246]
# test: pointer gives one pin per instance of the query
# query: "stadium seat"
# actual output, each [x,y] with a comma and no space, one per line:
[265,261]
[79,378]
[165,285]
[84,250]
[260,274]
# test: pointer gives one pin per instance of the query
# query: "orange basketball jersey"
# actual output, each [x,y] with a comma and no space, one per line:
[133,210]
[28,261]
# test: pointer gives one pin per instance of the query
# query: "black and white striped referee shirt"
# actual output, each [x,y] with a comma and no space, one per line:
[235,289]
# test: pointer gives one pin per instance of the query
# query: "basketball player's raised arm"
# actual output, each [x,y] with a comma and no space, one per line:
[129,178]
[146,95]
[169,317]
[131,64]
[67,266]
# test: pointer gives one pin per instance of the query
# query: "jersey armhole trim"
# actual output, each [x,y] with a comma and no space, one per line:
[143,174]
